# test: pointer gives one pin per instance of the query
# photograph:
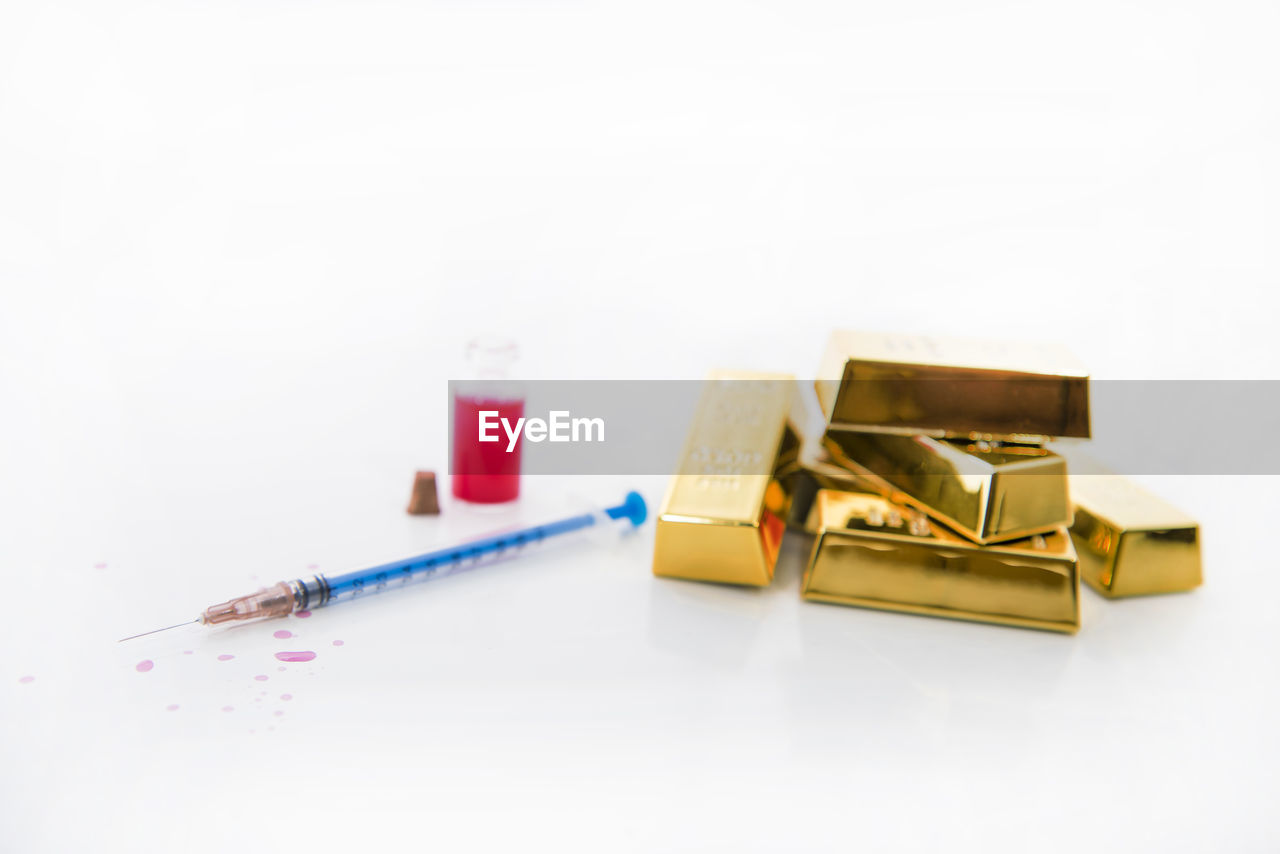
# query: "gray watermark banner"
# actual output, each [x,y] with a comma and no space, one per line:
[641,427]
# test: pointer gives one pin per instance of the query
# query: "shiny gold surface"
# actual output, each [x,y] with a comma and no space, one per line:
[1132,543]
[987,491]
[872,553]
[809,471]
[723,516]
[914,384]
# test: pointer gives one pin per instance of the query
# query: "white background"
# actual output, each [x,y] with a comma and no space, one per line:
[242,245]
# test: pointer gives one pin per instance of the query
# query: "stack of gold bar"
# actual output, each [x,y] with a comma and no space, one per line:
[971,510]
[932,488]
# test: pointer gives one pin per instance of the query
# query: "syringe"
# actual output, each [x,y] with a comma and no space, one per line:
[303,594]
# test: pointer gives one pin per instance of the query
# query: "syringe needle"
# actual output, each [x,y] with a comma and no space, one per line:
[153,631]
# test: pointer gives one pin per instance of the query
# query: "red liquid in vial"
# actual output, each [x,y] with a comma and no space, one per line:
[484,472]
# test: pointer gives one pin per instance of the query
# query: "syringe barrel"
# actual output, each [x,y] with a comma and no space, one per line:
[284,598]
[479,552]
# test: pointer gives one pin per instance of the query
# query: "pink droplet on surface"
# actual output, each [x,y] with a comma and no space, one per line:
[260,678]
[144,665]
[225,657]
[286,696]
[172,707]
[302,615]
[188,651]
[284,633]
[228,708]
[337,643]
[99,565]
[301,655]
[25,679]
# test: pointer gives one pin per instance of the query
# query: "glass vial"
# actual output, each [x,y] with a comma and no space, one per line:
[487,472]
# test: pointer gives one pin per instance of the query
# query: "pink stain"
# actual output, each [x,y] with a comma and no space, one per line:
[260,678]
[225,657]
[172,707]
[278,713]
[25,679]
[282,668]
[302,615]
[99,566]
[295,656]
[284,633]
[313,566]
[286,696]
[337,643]
[228,708]
[144,665]
[188,651]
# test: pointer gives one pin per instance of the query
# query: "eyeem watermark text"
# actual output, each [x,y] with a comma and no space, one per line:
[558,427]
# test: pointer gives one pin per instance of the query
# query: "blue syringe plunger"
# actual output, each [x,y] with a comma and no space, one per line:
[632,508]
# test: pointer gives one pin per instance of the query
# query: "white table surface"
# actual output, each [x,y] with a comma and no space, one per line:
[241,248]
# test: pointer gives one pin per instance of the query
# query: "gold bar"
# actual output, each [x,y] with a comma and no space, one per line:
[1131,542]
[952,387]
[873,553]
[990,492]
[724,512]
